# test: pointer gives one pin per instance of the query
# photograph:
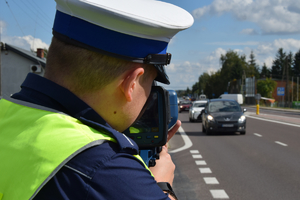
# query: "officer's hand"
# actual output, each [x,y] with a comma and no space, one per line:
[172,132]
[164,169]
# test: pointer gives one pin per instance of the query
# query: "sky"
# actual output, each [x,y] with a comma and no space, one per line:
[261,26]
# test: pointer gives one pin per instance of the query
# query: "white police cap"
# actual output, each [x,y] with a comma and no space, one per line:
[135,30]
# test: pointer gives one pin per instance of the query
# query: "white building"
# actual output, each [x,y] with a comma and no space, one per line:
[15,64]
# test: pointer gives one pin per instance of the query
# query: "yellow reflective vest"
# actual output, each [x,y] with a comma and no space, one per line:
[35,143]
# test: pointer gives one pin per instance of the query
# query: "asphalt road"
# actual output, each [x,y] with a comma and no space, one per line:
[263,164]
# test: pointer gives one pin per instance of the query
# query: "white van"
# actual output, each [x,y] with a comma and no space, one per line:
[237,97]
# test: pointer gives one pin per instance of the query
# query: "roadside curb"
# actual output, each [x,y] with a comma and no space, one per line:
[279,109]
[292,120]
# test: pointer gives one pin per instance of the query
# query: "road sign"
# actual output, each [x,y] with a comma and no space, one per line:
[257,96]
[280,91]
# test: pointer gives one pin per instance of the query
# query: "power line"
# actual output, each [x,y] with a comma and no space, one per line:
[38,12]
[14,17]
[42,13]
[32,18]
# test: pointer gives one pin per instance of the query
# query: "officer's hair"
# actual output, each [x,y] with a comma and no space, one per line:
[87,71]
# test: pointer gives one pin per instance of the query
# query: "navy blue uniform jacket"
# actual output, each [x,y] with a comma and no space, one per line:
[107,171]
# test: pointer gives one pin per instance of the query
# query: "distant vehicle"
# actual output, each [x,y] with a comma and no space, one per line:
[184,105]
[237,97]
[202,96]
[223,115]
[195,112]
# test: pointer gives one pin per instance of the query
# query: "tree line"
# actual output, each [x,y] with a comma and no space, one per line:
[235,69]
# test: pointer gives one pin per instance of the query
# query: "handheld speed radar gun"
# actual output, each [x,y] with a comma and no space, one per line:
[150,130]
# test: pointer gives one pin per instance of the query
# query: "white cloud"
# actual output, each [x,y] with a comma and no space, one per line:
[25,42]
[246,43]
[268,61]
[249,31]
[183,75]
[186,74]
[272,16]
[215,55]
[2,26]
[271,48]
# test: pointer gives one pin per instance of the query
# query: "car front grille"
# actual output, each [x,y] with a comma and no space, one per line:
[227,122]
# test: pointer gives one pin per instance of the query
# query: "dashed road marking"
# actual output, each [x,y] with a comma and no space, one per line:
[219,194]
[197,156]
[258,135]
[194,151]
[280,143]
[211,180]
[200,162]
[205,170]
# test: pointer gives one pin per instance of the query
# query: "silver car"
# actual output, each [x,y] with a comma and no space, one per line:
[195,112]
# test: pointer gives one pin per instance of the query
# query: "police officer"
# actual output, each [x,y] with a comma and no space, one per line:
[61,135]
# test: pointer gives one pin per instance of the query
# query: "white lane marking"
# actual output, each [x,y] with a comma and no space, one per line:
[258,135]
[280,143]
[211,180]
[219,194]
[187,142]
[268,120]
[205,170]
[200,162]
[194,151]
[197,156]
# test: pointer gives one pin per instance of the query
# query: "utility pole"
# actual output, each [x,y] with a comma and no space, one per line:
[287,81]
[292,88]
[297,86]
[283,73]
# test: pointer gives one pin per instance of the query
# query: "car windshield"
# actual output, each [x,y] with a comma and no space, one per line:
[185,103]
[199,104]
[224,106]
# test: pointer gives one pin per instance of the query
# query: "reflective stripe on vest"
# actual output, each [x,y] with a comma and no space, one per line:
[35,144]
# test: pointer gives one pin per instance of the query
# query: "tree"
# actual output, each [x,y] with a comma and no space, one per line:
[195,89]
[188,91]
[253,69]
[213,87]
[265,72]
[288,70]
[265,87]
[296,64]
[232,69]
[202,81]
[278,64]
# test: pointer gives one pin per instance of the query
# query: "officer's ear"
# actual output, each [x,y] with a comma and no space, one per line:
[129,83]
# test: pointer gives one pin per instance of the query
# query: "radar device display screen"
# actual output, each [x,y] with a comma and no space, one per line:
[151,127]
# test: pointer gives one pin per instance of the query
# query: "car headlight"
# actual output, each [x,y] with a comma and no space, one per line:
[210,118]
[181,106]
[193,111]
[242,119]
